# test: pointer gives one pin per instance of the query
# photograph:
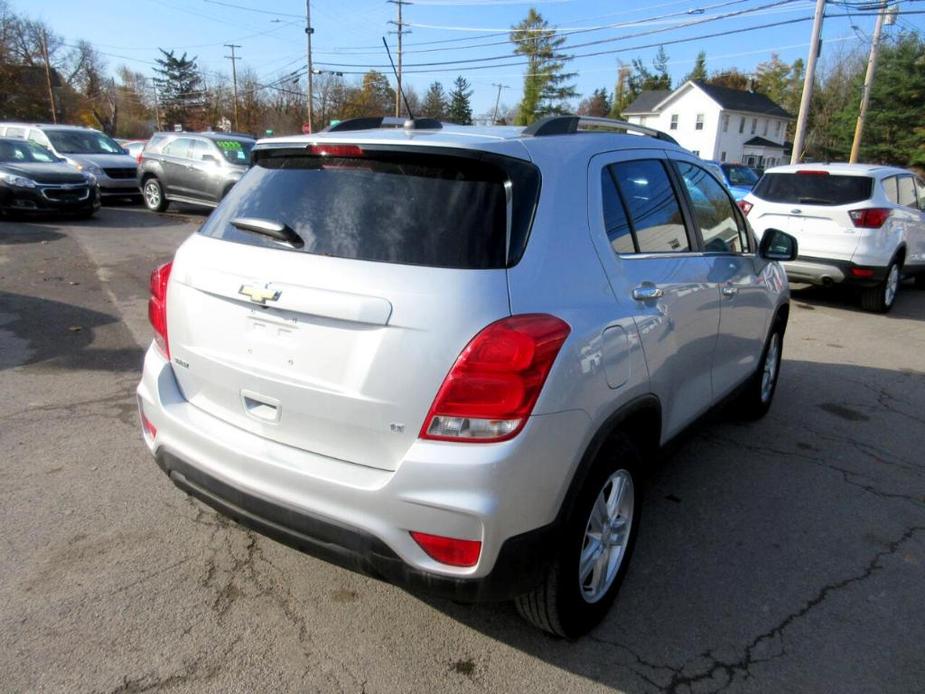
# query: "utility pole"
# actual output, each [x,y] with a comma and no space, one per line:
[494,118]
[815,47]
[234,80]
[51,93]
[308,47]
[401,32]
[868,82]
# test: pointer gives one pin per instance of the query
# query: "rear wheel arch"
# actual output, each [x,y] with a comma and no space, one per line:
[640,420]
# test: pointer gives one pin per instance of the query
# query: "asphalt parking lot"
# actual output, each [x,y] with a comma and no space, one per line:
[783,555]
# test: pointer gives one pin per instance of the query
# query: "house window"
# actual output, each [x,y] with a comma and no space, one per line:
[754,125]
[765,130]
[722,156]
[777,127]
[699,125]
[642,120]
[725,124]
[674,121]
[742,125]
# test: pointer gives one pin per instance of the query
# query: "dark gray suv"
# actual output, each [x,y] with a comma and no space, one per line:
[197,168]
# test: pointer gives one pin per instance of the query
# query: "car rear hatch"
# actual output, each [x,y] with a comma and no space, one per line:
[813,206]
[337,340]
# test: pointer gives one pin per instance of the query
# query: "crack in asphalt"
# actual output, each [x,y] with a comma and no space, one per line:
[727,670]
[847,475]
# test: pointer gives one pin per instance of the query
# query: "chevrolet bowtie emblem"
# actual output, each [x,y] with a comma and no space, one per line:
[259,295]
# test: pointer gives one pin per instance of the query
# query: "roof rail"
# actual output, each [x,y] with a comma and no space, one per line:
[384,122]
[566,125]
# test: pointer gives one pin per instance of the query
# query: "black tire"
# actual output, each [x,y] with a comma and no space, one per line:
[755,400]
[880,299]
[558,605]
[155,200]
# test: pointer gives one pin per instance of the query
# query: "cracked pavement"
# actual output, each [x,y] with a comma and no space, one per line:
[782,555]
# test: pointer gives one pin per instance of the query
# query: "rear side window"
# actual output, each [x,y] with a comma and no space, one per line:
[890,189]
[388,206]
[181,147]
[907,192]
[813,188]
[651,207]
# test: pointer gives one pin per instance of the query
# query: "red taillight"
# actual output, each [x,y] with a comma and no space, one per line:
[496,380]
[812,172]
[157,306]
[138,158]
[862,272]
[335,150]
[869,218]
[149,428]
[745,206]
[448,550]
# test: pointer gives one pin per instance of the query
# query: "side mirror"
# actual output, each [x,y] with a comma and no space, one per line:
[777,245]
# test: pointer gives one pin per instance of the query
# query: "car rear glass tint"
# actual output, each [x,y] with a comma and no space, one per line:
[393,207]
[813,189]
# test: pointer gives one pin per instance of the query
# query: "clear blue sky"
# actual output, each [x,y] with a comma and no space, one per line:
[349,31]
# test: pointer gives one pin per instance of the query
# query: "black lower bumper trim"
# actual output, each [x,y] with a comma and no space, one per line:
[521,564]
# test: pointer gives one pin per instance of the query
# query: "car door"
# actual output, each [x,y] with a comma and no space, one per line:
[659,275]
[176,162]
[746,305]
[913,220]
[916,254]
[205,171]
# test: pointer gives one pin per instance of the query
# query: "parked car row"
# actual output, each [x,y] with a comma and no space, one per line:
[195,168]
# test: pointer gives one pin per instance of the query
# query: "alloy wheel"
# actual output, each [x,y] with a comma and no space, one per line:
[607,534]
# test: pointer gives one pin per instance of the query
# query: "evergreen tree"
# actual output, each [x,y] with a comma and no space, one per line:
[546,87]
[460,110]
[435,102]
[893,133]
[699,73]
[180,91]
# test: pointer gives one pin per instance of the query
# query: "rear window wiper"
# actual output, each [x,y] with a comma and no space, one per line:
[267,227]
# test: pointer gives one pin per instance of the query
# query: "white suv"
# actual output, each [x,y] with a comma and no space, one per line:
[856,224]
[444,355]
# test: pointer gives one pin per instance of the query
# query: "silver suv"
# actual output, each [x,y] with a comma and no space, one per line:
[444,355]
[195,168]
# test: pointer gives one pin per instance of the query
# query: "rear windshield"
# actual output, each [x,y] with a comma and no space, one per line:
[387,206]
[813,189]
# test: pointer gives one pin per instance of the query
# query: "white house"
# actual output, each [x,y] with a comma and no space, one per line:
[716,123]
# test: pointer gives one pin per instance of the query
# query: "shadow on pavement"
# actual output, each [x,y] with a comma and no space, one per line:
[747,529]
[910,301]
[17,232]
[34,330]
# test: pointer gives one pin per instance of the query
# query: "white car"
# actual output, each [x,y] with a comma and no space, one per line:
[858,224]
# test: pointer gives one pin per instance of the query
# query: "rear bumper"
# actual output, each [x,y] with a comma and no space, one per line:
[825,272]
[518,568]
[506,495]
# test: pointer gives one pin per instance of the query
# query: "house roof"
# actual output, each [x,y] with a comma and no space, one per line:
[740,100]
[763,142]
[647,101]
[727,98]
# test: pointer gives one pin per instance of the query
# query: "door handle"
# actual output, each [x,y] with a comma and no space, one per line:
[647,292]
[729,291]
